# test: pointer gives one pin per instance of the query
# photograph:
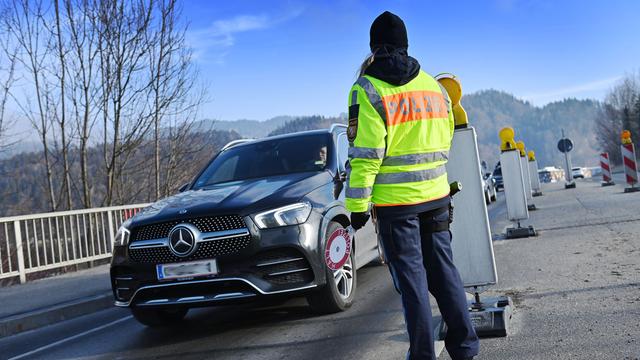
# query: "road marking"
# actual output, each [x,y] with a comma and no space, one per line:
[62,341]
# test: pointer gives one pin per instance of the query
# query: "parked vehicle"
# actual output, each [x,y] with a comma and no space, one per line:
[489,184]
[497,176]
[253,224]
[577,172]
[544,176]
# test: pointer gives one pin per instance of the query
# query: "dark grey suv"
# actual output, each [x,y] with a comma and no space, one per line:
[253,224]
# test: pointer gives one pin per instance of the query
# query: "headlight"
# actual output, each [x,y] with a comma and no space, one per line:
[122,236]
[286,215]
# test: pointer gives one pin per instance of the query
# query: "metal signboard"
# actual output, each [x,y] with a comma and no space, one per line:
[514,190]
[472,245]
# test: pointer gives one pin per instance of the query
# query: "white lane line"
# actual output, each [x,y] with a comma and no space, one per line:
[62,341]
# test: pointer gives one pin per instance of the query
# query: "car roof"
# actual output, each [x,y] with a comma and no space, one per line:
[333,128]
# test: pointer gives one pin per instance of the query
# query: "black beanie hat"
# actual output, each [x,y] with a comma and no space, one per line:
[388,29]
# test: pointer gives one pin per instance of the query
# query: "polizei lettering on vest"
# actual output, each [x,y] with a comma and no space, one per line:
[414,105]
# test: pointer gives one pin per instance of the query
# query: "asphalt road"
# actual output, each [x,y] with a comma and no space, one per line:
[576,289]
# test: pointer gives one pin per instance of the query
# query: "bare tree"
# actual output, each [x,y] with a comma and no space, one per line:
[8,61]
[80,19]
[122,51]
[620,111]
[25,21]
[173,90]
[62,121]
[115,76]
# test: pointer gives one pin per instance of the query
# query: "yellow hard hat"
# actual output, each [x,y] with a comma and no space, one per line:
[506,135]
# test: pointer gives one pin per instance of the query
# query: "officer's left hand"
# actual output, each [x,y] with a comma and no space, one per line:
[359,219]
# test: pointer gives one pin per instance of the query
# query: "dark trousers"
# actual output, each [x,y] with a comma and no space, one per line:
[420,260]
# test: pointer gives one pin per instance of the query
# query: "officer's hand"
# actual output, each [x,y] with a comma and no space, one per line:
[359,219]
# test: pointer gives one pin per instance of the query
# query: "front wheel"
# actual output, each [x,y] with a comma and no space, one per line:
[158,317]
[340,288]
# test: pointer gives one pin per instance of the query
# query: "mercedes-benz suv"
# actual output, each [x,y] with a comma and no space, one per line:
[253,224]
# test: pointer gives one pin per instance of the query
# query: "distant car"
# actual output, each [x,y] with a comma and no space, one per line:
[577,172]
[544,175]
[497,177]
[489,184]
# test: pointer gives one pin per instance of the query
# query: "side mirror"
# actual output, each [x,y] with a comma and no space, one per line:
[183,187]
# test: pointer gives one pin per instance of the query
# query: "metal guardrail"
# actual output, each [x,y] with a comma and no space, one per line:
[37,242]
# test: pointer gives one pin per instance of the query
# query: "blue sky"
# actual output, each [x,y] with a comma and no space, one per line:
[261,59]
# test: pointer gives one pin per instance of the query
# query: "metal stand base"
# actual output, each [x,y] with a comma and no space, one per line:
[570,185]
[491,317]
[520,232]
[532,207]
[631,189]
[537,193]
[610,183]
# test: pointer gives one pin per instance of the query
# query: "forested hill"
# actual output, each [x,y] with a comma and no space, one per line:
[539,127]
[491,110]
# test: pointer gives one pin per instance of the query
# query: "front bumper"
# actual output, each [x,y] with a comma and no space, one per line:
[282,261]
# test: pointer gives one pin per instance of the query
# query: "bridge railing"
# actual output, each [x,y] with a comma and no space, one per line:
[39,242]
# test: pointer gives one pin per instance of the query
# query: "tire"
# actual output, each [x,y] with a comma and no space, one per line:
[494,194]
[159,317]
[331,298]
[487,198]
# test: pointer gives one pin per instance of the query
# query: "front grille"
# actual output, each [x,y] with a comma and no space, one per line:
[204,224]
[205,250]
[283,267]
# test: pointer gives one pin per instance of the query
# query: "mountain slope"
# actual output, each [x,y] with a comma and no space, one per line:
[539,127]
[244,127]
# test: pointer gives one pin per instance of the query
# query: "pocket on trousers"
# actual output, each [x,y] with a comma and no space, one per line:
[405,236]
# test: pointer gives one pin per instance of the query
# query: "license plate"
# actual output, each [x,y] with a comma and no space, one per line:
[187,269]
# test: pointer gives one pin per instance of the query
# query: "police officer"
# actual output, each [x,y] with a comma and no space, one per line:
[400,131]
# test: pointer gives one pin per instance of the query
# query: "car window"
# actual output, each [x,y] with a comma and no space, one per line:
[287,155]
[343,150]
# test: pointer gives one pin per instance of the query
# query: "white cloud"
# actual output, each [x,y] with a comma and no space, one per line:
[214,41]
[579,90]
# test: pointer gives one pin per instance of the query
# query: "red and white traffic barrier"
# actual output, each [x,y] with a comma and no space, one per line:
[607,180]
[630,166]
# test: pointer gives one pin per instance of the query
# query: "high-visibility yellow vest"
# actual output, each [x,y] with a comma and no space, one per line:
[399,139]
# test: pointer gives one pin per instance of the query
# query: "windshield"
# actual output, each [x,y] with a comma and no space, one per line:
[288,155]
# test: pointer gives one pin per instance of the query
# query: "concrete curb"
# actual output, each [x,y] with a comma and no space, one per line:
[16,324]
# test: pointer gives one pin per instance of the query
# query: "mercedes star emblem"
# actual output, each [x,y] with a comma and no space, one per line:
[182,241]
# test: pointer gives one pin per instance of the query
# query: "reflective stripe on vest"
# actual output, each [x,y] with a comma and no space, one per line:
[410,176]
[366,153]
[373,96]
[414,159]
[358,193]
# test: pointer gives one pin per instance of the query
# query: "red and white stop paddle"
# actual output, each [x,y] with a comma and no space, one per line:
[338,248]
